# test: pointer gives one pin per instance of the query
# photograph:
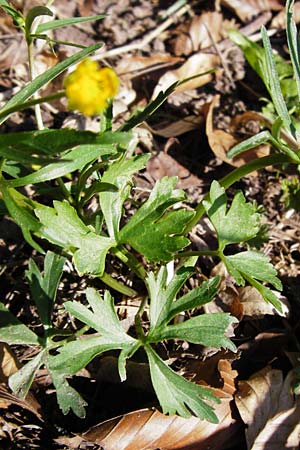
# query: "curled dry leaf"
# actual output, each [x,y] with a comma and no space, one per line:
[9,364]
[221,141]
[203,31]
[267,405]
[247,10]
[149,429]
[255,306]
[195,65]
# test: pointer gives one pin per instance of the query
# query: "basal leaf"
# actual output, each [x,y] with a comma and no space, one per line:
[205,329]
[119,174]
[237,224]
[62,226]
[161,294]
[21,381]
[154,232]
[12,331]
[177,395]
[253,266]
[43,287]
[20,209]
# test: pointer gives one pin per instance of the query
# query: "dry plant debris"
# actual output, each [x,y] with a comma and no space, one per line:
[190,138]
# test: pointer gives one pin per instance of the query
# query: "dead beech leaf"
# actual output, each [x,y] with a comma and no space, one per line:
[177,128]
[149,429]
[267,405]
[255,306]
[195,65]
[204,31]
[130,66]
[246,10]
[9,364]
[7,399]
[221,141]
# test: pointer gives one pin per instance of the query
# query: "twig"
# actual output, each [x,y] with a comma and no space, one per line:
[146,40]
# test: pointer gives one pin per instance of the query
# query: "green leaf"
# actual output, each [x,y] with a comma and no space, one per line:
[20,209]
[274,84]
[240,223]
[52,142]
[152,231]
[21,381]
[76,159]
[193,299]
[12,331]
[62,226]
[26,92]
[162,295]
[103,318]
[120,174]
[43,287]
[253,266]
[177,395]
[32,14]
[205,329]
[68,398]
[293,42]
[55,24]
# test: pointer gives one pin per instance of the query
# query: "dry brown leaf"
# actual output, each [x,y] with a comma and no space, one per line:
[255,306]
[221,142]
[149,429]
[130,66]
[195,65]
[266,404]
[9,364]
[246,10]
[204,31]
[178,127]
[279,21]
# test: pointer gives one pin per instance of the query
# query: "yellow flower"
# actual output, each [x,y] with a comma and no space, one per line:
[89,87]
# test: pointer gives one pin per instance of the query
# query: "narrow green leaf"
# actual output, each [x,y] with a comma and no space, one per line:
[205,329]
[293,42]
[120,174]
[274,84]
[21,381]
[12,331]
[240,223]
[32,14]
[152,231]
[44,78]
[176,395]
[76,159]
[54,24]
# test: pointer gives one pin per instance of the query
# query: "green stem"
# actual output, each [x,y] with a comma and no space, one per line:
[130,260]
[30,103]
[235,176]
[117,286]
[197,253]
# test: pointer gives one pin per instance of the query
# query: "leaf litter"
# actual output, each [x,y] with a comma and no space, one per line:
[268,412]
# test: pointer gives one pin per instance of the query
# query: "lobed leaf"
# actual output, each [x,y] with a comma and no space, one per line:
[119,174]
[62,226]
[12,331]
[205,329]
[177,395]
[239,223]
[152,231]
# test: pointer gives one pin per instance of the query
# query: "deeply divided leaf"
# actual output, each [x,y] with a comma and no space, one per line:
[154,232]
[177,395]
[237,224]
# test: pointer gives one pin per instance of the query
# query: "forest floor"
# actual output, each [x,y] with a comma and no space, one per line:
[150,46]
